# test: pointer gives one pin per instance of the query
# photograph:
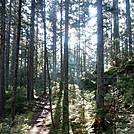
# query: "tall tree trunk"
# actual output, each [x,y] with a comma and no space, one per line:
[128,26]
[7,51]
[45,50]
[78,48]
[65,99]
[20,78]
[13,54]
[26,56]
[54,40]
[61,53]
[84,47]
[25,67]
[100,67]
[2,48]
[36,46]
[116,33]
[30,92]
[15,72]
[100,57]
[50,91]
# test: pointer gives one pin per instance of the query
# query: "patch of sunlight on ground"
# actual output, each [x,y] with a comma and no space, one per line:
[82,106]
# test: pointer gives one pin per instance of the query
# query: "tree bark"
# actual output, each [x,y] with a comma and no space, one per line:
[61,49]
[54,41]
[2,50]
[116,33]
[36,46]
[78,47]
[45,50]
[100,68]
[50,91]
[65,128]
[7,51]
[30,92]
[128,26]
[15,71]
[100,57]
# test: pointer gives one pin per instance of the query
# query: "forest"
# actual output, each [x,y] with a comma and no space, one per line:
[66,67]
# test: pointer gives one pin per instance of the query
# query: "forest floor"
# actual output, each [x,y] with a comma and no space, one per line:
[36,116]
[81,109]
[81,113]
[40,121]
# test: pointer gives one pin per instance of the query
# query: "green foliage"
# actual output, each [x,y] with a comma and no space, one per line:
[20,99]
[76,127]
[21,124]
[118,77]
[4,128]
[38,84]
[119,95]
[22,76]
[87,82]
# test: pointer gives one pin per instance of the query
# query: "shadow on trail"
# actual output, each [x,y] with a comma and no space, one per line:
[39,117]
[57,115]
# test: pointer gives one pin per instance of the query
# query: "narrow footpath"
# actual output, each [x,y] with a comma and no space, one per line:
[40,123]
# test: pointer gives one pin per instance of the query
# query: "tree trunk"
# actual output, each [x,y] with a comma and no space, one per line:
[128,26]
[65,99]
[2,48]
[116,33]
[100,68]
[36,46]
[30,92]
[61,53]
[13,54]
[15,71]
[78,48]
[54,41]
[50,91]
[7,51]
[100,57]
[45,50]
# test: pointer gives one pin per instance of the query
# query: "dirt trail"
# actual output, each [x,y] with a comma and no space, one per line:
[40,123]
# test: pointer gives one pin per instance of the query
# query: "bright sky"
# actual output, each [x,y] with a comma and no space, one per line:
[90,29]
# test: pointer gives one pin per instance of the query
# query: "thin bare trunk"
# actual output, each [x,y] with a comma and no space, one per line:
[15,72]
[100,71]
[128,24]
[7,51]
[116,33]
[50,92]
[61,53]
[65,128]
[30,92]
[45,50]
[2,49]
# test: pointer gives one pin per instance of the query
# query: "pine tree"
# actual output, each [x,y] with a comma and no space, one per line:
[100,69]
[16,62]
[2,49]
[65,99]
[30,92]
